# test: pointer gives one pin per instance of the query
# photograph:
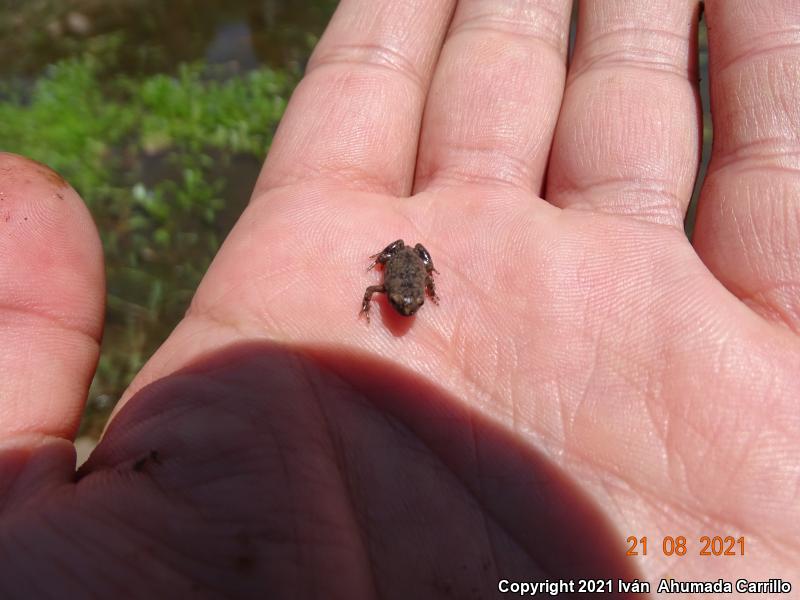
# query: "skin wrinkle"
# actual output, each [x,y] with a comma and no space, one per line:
[767,271]
[515,384]
[87,549]
[769,168]
[614,490]
[667,212]
[480,363]
[712,522]
[475,384]
[791,70]
[141,550]
[578,405]
[758,49]
[339,460]
[444,177]
[175,412]
[752,233]
[488,513]
[595,368]
[765,111]
[545,435]
[347,175]
[785,89]
[34,317]
[368,56]
[533,19]
[58,563]
[9,485]
[729,473]
[727,210]
[633,61]
[653,56]
[500,130]
[771,309]
[733,523]
[735,461]
[761,153]
[286,476]
[482,493]
[674,464]
[548,12]
[565,179]
[614,477]
[678,40]
[766,290]
[535,37]
[66,567]
[473,364]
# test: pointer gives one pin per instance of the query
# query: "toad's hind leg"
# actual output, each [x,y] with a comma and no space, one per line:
[368,297]
[423,253]
[431,289]
[384,255]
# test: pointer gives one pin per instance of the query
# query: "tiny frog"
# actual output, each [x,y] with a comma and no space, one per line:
[407,276]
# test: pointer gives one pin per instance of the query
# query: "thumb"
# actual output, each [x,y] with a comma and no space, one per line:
[51,316]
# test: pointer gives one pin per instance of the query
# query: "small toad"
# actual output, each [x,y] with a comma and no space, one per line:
[407,276]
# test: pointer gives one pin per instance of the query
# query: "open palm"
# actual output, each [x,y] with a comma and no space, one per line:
[587,377]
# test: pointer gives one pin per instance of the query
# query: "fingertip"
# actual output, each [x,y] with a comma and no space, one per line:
[52,292]
[50,253]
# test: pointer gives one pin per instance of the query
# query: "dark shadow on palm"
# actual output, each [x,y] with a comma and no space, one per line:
[291,471]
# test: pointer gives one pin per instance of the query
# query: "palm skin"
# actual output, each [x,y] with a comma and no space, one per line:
[585,378]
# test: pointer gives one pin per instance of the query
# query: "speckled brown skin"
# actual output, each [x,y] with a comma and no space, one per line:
[408,275]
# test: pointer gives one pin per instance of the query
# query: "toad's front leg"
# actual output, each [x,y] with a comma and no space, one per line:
[381,289]
[431,289]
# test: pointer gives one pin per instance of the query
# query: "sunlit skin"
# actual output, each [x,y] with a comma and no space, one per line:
[589,375]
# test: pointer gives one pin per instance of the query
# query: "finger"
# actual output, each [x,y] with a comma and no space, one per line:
[628,137]
[51,300]
[495,96]
[748,225]
[355,116]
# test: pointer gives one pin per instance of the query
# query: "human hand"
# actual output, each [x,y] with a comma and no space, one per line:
[587,377]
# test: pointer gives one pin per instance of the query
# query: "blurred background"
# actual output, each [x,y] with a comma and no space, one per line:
[159,114]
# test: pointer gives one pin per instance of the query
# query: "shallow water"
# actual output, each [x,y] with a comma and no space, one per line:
[160,35]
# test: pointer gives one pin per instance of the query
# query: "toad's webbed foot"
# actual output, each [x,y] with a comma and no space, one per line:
[430,288]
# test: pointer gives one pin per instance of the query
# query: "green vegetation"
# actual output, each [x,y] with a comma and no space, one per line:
[152,157]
